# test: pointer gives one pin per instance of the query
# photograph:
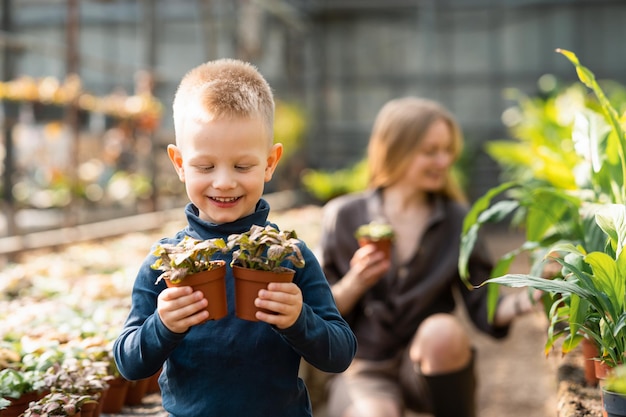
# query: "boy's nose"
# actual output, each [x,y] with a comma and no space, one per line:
[223,180]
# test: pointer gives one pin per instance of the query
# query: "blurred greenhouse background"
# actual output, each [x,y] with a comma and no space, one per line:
[87,85]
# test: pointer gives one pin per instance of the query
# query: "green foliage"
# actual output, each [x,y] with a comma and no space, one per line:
[187,257]
[326,185]
[566,191]
[264,248]
[289,127]
[14,383]
[616,380]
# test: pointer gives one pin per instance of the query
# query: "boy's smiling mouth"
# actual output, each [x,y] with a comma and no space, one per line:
[224,199]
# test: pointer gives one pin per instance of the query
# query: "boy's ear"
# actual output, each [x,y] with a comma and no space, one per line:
[177,160]
[272,160]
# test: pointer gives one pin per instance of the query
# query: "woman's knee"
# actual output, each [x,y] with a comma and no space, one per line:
[441,344]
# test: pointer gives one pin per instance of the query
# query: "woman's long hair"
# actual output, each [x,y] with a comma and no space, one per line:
[398,130]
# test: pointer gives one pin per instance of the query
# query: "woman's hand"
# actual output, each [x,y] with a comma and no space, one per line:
[367,266]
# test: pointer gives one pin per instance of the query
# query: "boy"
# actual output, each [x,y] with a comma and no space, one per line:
[224,153]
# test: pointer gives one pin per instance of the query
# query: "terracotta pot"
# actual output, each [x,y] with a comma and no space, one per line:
[101,400]
[213,285]
[613,404]
[248,283]
[89,409]
[384,245]
[590,353]
[136,391]
[114,399]
[602,369]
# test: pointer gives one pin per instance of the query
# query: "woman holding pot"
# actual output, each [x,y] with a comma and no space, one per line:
[413,351]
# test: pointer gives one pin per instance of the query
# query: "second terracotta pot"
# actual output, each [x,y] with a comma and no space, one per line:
[248,283]
[384,245]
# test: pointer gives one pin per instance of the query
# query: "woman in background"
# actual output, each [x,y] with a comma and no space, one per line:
[413,352]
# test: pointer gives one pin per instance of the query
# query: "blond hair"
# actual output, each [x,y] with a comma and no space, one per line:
[398,129]
[223,89]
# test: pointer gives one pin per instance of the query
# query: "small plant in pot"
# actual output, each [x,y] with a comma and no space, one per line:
[377,233]
[189,262]
[257,260]
[19,388]
[56,404]
[614,392]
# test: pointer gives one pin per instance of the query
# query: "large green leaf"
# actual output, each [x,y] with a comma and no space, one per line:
[612,220]
[589,79]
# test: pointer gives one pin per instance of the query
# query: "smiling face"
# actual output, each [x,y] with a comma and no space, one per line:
[224,164]
[430,166]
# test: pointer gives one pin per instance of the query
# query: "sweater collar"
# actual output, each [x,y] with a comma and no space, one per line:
[201,229]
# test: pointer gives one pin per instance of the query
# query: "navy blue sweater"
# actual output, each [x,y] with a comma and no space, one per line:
[232,367]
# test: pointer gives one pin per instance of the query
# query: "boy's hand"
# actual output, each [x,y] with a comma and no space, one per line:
[180,308]
[284,299]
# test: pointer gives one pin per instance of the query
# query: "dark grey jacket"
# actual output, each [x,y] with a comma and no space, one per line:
[387,316]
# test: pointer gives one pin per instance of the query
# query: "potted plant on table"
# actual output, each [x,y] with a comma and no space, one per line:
[377,233]
[581,226]
[257,260]
[189,262]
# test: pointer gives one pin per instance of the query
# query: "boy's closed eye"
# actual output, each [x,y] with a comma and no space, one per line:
[244,168]
[204,168]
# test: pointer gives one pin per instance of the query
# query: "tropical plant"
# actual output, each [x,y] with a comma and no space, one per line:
[265,248]
[580,225]
[187,257]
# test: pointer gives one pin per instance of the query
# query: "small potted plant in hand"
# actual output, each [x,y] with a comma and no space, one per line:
[377,233]
[190,262]
[257,260]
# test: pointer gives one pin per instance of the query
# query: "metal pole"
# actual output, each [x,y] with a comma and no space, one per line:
[71,116]
[149,63]
[10,116]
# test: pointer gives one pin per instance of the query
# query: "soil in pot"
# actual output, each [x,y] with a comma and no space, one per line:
[212,283]
[248,283]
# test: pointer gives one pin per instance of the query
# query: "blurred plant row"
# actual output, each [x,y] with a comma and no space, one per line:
[59,314]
